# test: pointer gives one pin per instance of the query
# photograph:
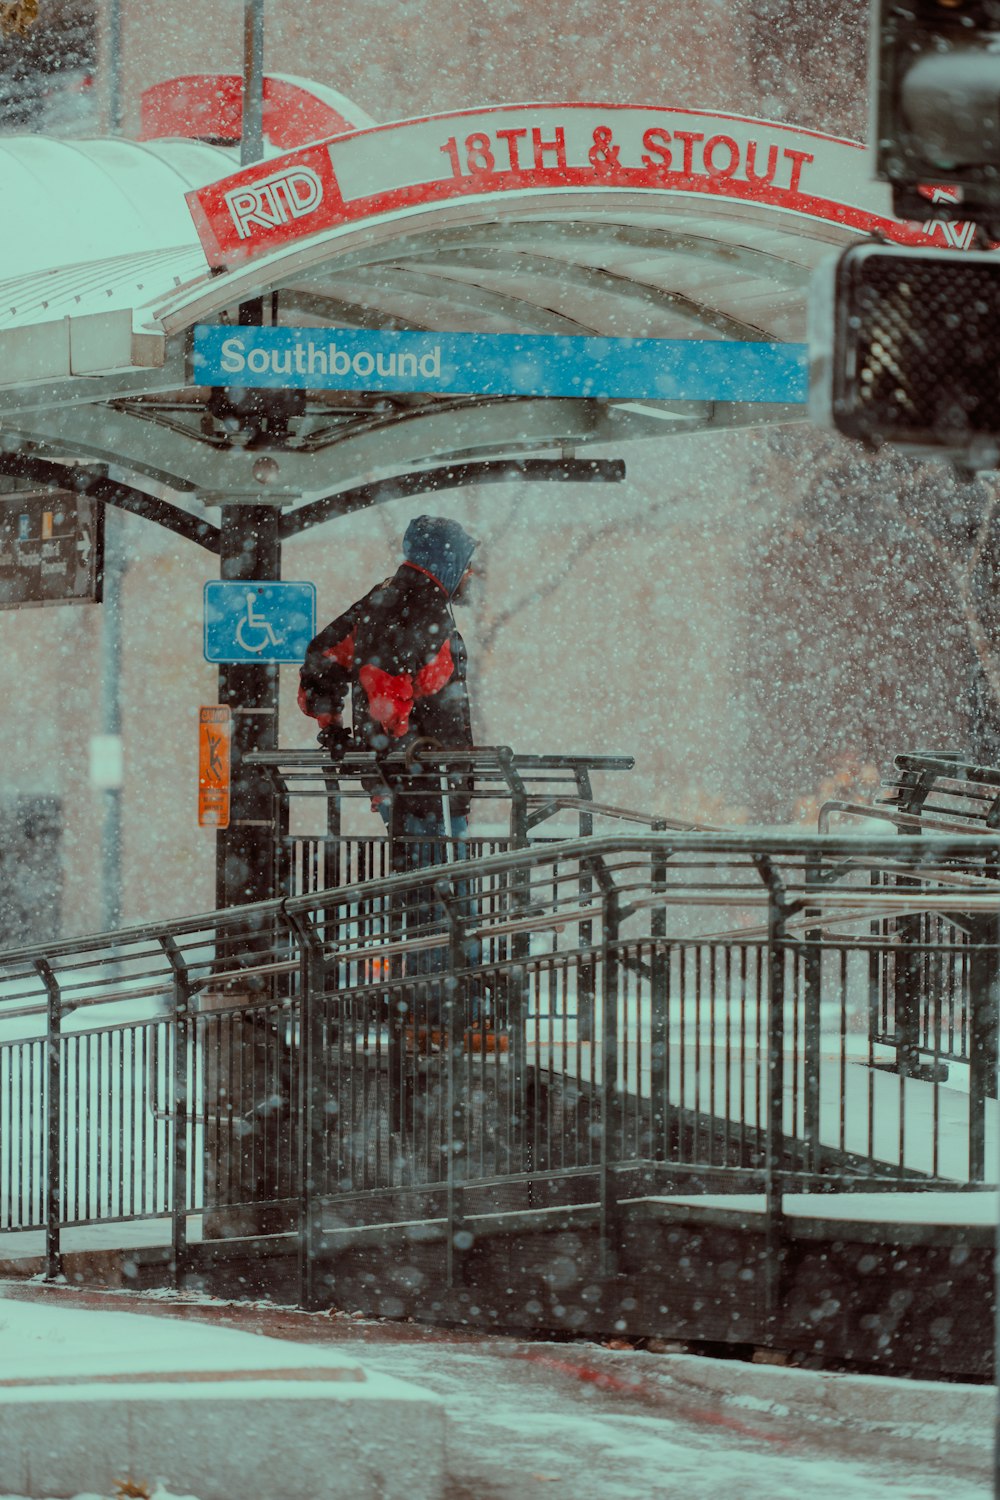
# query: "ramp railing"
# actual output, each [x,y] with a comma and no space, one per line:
[927,1012]
[325,835]
[582,1022]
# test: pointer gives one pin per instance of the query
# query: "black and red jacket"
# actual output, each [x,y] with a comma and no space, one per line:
[399,652]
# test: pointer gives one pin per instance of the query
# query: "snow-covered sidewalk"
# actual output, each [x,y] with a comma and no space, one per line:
[90,1399]
[582,1421]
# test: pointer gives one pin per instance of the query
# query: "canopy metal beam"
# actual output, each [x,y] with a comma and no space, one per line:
[131,438]
[84,481]
[92,482]
[442,288]
[452,476]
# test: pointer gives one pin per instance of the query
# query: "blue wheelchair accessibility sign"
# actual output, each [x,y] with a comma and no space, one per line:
[249,621]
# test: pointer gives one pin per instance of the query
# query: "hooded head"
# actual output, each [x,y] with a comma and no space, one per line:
[440,546]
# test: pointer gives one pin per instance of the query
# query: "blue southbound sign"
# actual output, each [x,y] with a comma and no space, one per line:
[258,621]
[499,364]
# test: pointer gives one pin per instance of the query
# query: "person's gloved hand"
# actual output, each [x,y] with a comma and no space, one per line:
[336,740]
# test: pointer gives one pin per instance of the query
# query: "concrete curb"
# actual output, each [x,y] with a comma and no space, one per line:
[329,1443]
[213,1412]
[936,1410]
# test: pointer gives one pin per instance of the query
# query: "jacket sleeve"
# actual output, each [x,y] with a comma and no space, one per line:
[325,675]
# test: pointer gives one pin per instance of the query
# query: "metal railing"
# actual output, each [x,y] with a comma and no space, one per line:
[512,794]
[580,1022]
[934,964]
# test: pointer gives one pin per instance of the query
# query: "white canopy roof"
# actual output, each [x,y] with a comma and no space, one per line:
[100,290]
[79,202]
[105,228]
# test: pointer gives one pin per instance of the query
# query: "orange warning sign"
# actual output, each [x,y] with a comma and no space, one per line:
[215,730]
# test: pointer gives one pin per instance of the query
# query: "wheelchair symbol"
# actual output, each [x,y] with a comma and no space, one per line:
[263,633]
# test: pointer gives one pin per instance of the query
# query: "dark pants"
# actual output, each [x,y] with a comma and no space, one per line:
[424,844]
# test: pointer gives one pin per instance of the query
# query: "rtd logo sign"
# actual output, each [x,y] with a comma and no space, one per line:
[289,194]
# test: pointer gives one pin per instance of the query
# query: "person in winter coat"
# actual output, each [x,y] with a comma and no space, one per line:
[400,655]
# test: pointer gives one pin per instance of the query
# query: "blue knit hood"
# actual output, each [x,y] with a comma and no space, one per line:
[441,546]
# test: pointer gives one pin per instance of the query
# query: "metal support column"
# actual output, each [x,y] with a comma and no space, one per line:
[250,547]
[246,868]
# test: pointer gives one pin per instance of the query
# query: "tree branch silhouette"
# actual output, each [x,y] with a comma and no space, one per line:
[574,554]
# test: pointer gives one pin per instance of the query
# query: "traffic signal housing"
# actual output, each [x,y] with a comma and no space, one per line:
[936,107]
[905,349]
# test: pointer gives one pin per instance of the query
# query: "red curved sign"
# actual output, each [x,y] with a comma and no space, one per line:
[525,148]
[209,106]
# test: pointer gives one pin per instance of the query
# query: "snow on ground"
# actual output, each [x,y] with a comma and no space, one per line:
[68,1363]
[39,1341]
[581,1421]
[563,1421]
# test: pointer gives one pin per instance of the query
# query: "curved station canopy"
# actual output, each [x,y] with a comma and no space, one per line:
[608,221]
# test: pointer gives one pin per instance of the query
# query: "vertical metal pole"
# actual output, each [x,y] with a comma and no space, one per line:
[585,982]
[252,138]
[908,963]
[454,1027]
[306,1114]
[520,888]
[983,1048]
[813,983]
[246,864]
[659,1001]
[53,1120]
[774,1128]
[518,797]
[403,1012]
[179,1106]
[333,822]
[283,862]
[113,51]
[311,1107]
[906,990]
[609,1079]
[111,718]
